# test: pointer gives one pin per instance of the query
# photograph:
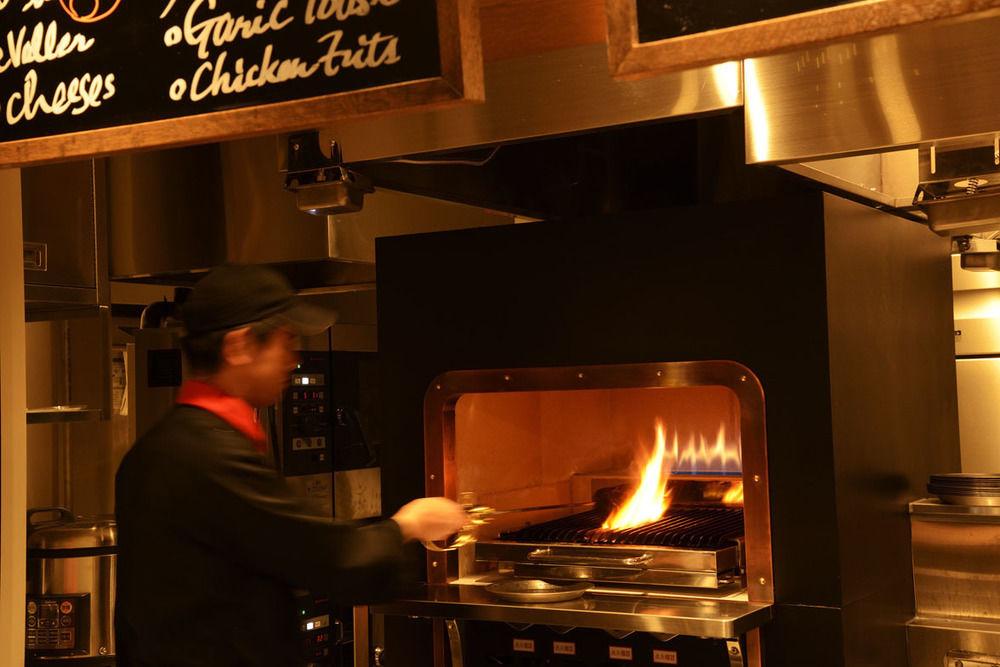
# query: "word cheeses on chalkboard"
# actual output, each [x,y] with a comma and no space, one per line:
[122,74]
[648,36]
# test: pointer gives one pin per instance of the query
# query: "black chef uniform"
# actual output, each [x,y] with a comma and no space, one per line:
[212,541]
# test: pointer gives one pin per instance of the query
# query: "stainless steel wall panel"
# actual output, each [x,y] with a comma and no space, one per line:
[916,85]
[979,419]
[955,554]
[165,211]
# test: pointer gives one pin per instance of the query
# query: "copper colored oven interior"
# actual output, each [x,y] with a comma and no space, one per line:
[539,448]
[568,438]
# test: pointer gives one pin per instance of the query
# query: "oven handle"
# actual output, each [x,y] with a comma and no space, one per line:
[546,556]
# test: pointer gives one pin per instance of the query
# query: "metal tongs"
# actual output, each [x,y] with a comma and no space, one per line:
[480,515]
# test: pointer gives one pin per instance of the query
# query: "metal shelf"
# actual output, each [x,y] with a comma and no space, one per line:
[62,414]
[699,617]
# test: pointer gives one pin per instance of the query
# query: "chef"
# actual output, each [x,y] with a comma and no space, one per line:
[211,540]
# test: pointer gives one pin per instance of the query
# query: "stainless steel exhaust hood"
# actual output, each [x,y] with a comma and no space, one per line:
[905,121]
[175,214]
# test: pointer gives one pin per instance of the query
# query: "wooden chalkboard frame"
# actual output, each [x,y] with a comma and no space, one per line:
[628,57]
[461,80]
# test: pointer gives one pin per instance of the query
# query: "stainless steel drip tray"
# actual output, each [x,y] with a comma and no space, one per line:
[638,564]
[721,619]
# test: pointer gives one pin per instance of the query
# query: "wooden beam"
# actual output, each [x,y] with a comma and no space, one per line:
[630,58]
[517,28]
[13,425]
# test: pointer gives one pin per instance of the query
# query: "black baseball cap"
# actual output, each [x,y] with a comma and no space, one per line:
[233,295]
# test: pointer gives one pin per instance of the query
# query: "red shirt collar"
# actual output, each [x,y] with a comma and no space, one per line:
[234,411]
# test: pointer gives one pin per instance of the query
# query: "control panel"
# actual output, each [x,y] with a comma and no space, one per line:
[58,623]
[320,430]
[307,437]
[323,633]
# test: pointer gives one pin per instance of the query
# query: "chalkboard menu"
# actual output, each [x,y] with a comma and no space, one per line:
[83,66]
[658,20]
[649,36]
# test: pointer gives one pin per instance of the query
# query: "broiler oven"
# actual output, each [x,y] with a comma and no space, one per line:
[851,346]
[646,481]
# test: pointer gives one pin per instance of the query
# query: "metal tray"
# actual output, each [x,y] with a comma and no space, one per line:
[536,590]
[971,500]
[697,617]
[638,564]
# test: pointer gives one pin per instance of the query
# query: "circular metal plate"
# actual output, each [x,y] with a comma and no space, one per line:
[536,590]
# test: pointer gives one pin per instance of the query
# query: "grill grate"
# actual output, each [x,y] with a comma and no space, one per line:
[695,527]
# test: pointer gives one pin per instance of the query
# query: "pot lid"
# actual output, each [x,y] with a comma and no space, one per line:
[68,532]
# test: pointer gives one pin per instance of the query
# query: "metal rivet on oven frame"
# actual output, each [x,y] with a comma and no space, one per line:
[763,581]
[438,387]
[659,374]
[756,479]
[434,563]
[433,477]
[506,378]
[743,378]
[579,376]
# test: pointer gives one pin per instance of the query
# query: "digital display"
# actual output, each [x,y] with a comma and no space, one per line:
[308,380]
[49,610]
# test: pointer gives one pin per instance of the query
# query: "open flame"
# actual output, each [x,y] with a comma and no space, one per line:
[650,500]
[698,455]
[734,496]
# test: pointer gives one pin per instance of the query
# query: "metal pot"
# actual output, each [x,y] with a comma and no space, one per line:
[71,567]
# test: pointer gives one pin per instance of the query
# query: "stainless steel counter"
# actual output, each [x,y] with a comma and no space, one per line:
[931,509]
[956,549]
[723,619]
[934,642]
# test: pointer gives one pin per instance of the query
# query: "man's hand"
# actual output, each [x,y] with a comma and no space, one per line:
[430,519]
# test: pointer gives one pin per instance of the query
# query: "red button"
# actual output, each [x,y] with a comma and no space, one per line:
[66,607]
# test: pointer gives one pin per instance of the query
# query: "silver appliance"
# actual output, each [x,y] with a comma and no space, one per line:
[977,367]
[69,610]
[955,552]
[717,552]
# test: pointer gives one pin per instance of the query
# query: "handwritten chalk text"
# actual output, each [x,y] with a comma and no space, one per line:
[75,96]
[321,10]
[220,77]
[45,44]
[225,28]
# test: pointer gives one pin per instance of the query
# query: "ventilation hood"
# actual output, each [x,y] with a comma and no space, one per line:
[173,215]
[905,121]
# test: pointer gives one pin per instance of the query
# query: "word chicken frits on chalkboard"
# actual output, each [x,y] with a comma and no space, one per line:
[69,66]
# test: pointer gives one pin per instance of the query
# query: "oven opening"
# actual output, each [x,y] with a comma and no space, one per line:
[627,488]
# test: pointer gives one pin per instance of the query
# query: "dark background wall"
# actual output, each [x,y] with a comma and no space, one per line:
[744,282]
[661,245]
